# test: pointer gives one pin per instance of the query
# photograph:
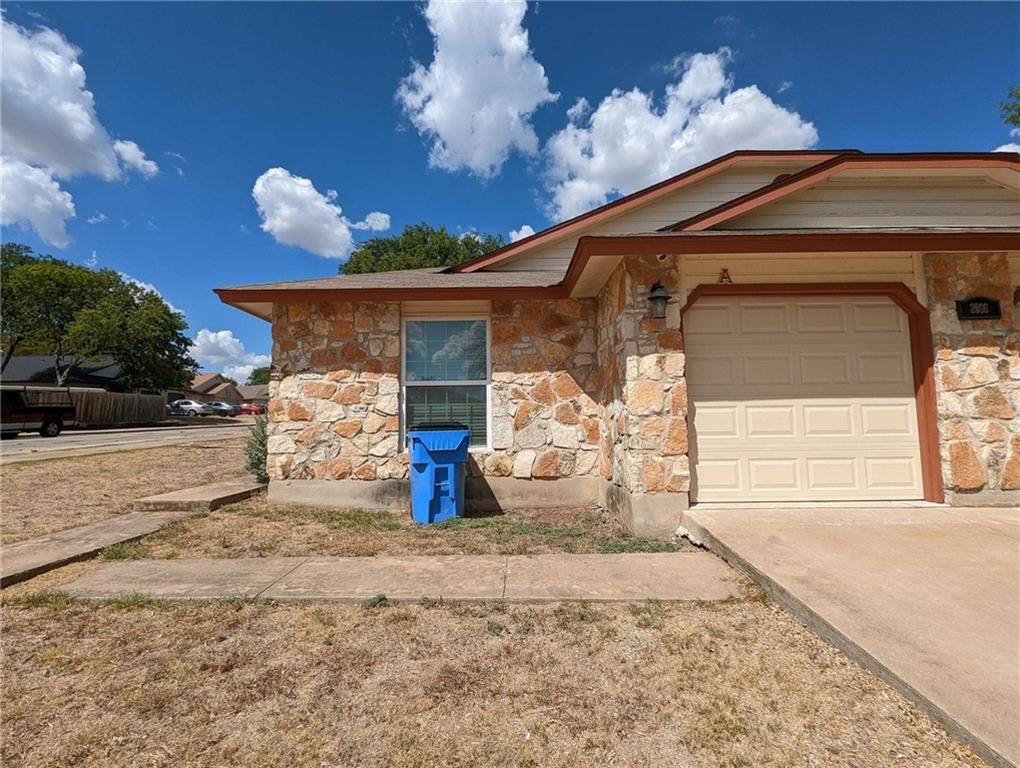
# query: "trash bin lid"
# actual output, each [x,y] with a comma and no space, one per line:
[433,426]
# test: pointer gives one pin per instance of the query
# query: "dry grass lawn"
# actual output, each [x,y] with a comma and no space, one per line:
[256,529]
[737,684]
[41,497]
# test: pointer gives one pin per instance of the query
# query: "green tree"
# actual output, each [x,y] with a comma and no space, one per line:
[417,247]
[258,376]
[72,313]
[1011,107]
[137,328]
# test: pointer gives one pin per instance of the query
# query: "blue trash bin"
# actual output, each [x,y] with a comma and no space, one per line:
[438,453]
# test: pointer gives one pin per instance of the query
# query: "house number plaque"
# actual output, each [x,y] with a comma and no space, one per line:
[978,308]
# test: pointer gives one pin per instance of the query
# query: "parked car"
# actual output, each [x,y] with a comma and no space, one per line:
[253,409]
[34,409]
[189,408]
[220,408]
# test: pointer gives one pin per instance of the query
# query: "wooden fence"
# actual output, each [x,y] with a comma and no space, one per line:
[97,408]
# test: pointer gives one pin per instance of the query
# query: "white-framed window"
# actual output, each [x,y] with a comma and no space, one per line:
[445,373]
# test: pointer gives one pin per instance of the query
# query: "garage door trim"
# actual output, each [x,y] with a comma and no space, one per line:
[921,353]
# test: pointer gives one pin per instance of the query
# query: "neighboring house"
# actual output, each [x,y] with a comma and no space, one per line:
[39,370]
[255,393]
[810,349]
[208,387]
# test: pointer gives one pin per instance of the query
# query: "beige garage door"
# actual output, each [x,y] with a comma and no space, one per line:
[806,399]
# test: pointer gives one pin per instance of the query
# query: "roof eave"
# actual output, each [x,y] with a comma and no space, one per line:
[736,242]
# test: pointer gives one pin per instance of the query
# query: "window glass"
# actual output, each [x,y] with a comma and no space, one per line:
[445,350]
[463,403]
[450,352]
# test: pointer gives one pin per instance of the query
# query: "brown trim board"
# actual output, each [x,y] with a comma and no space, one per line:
[232,295]
[589,246]
[922,354]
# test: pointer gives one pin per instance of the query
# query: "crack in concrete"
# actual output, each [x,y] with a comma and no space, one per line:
[277,580]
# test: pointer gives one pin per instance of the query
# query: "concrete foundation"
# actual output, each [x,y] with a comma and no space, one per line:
[652,515]
[484,494]
[988,498]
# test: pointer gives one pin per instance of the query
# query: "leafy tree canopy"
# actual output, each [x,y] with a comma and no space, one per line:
[73,313]
[1011,107]
[258,376]
[417,247]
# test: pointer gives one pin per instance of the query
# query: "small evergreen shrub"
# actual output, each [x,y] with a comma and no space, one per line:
[255,450]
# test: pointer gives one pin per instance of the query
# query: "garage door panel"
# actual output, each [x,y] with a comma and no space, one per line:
[883,368]
[770,420]
[820,407]
[764,318]
[832,473]
[825,368]
[774,474]
[890,419]
[711,320]
[821,318]
[828,420]
[892,472]
[768,369]
[878,317]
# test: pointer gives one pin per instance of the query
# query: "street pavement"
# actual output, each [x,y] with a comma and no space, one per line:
[32,447]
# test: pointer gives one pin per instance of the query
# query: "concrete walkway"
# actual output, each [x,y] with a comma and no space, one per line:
[25,559]
[926,597]
[664,576]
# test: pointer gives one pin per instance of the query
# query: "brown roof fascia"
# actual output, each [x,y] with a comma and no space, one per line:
[783,242]
[635,199]
[243,295]
[798,181]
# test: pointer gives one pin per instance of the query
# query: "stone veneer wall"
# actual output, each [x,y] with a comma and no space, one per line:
[334,408]
[645,441]
[333,397]
[977,374]
[545,390]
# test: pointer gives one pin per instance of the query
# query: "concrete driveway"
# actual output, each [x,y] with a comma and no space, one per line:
[927,597]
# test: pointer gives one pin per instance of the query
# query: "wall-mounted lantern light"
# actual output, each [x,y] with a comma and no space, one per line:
[657,298]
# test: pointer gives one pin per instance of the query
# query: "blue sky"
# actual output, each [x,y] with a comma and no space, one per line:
[216,95]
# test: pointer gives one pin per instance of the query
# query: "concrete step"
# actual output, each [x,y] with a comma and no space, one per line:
[203,498]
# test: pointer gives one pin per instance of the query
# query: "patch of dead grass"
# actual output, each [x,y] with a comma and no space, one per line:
[257,684]
[42,497]
[254,528]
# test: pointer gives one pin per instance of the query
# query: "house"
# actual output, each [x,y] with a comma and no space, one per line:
[38,370]
[209,387]
[805,326]
[255,393]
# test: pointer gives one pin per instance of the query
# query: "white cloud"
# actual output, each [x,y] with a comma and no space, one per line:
[519,234]
[145,287]
[33,198]
[98,218]
[474,102]
[224,351]
[92,260]
[1011,147]
[133,157]
[580,109]
[295,213]
[375,221]
[50,129]
[784,86]
[629,141]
